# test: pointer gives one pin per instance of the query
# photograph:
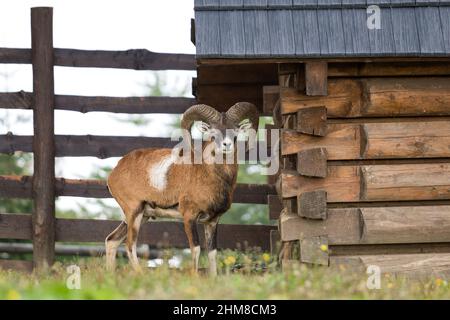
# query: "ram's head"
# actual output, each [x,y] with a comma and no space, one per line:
[222,128]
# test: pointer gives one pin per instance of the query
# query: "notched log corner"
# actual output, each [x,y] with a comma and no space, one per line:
[312,205]
[316,78]
[312,162]
[314,250]
[312,120]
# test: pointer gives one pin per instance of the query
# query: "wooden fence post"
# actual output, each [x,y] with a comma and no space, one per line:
[43,140]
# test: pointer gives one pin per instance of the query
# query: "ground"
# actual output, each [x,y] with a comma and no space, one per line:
[264,281]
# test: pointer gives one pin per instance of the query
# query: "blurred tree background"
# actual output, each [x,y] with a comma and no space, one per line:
[15,164]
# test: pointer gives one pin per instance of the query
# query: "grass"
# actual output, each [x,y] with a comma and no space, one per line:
[259,280]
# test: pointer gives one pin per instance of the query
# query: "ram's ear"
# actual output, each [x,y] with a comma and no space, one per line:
[245,125]
[203,127]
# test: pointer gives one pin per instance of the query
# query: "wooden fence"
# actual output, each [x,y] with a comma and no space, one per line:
[42,227]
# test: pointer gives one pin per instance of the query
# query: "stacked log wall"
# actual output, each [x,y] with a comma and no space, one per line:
[365,164]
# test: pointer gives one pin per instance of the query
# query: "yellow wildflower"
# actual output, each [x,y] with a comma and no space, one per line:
[324,248]
[12,295]
[266,257]
[230,260]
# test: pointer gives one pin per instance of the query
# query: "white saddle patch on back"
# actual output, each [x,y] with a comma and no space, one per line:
[158,172]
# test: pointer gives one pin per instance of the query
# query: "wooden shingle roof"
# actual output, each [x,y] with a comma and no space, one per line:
[320,28]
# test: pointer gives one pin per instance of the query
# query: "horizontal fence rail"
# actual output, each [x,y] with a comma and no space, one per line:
[82,146]
[136,59]
[16,265]
[101,147]
[20,187]
[159,234]
[77,250]
[13,55]
[84,104]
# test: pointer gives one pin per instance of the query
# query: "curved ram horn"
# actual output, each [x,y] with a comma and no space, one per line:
[241,111]
[199,112]
[244,110]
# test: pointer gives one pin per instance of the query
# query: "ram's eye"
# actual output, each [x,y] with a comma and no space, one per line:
[203,126]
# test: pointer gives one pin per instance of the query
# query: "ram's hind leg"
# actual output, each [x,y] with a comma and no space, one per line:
[112,242]
[134,223]
[190,227]
[211,245]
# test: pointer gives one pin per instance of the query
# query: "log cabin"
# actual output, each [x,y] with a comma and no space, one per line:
[361,93]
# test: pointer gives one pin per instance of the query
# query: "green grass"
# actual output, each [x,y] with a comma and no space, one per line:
[252,282]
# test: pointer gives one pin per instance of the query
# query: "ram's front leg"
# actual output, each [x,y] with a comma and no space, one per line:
[190,227]
[211,245]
